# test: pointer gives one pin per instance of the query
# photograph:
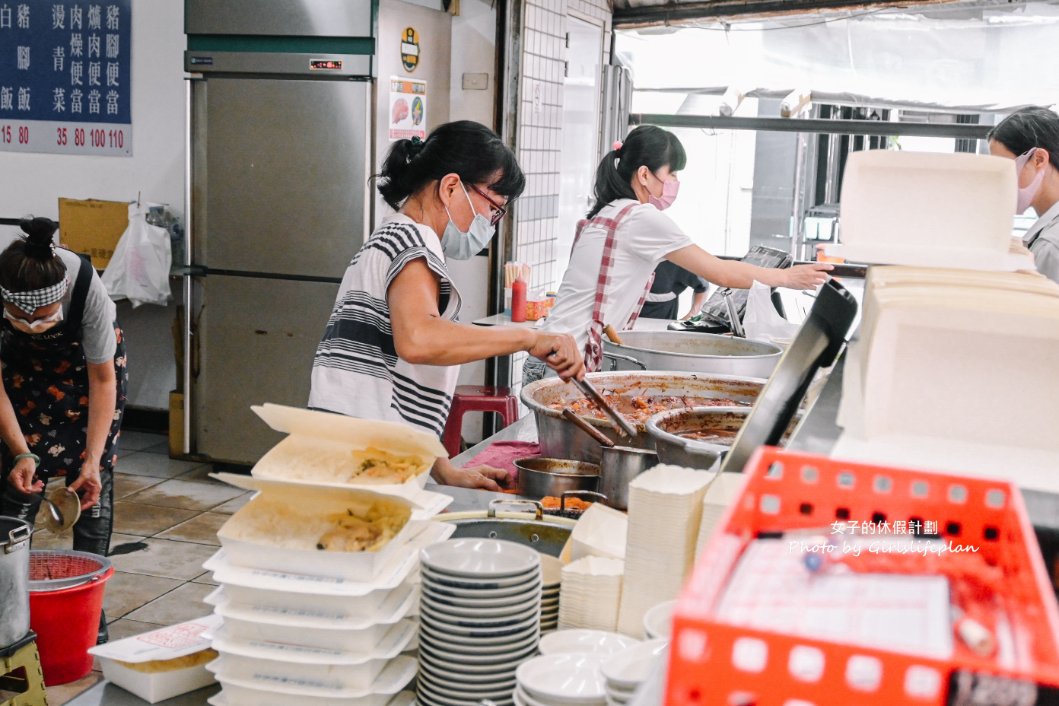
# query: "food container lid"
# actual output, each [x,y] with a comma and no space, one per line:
[394,677]
[165,643]
[356,433]
[396,640]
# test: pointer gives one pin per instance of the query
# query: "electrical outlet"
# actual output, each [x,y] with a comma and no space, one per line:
[475,82]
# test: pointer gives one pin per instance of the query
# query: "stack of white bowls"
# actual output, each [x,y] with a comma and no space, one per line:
[479,620]
[658,621]
[563,679]
[552,573]
[625,671]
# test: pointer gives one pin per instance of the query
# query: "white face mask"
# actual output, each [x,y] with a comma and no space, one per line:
[35,327]
[463,246]
[1029,192]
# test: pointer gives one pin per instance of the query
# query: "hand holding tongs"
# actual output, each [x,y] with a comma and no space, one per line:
[592,393]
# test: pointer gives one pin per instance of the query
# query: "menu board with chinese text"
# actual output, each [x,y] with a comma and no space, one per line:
[65,77]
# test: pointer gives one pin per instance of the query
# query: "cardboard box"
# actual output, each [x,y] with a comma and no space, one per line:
[92,227]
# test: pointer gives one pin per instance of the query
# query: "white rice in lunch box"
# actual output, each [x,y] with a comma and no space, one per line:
[359,527]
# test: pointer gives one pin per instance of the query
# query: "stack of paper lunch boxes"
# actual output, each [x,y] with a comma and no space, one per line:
[318,574]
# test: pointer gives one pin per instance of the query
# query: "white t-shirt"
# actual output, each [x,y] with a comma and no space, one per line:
[644,238]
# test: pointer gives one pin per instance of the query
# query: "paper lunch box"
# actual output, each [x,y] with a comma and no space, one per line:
[160,664]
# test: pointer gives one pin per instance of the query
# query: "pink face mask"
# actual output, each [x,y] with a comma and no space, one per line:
[1029,192]
[670,189]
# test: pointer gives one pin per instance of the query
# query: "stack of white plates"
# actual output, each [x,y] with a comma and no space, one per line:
[479,620]
[625,671]
[552,573]
[565,679]
[665,509]
[590,593]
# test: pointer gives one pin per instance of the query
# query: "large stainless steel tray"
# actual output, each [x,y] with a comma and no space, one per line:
[692,352]
[559,438]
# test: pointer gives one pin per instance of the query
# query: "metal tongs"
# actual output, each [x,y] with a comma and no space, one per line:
[624,426]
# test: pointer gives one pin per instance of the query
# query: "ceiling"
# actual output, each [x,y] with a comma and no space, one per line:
[648,13]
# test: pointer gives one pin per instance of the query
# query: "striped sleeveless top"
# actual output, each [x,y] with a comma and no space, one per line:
[356,370]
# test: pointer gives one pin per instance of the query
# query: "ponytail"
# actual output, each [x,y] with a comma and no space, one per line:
[466,148]
[648,146]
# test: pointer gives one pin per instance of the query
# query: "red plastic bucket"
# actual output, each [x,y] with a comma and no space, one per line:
[65,602]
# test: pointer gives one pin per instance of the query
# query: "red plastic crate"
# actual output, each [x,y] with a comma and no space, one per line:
[786,491]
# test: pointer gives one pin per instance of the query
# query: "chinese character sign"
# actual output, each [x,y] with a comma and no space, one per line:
[65,76]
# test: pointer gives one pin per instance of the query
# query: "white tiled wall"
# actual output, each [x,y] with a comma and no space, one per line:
[539,138]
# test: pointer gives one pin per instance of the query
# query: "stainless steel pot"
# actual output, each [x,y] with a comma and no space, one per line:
[692,352]
[546,534]
[559,438]
[542,477]
[619,465]
[671,430]
[14,579]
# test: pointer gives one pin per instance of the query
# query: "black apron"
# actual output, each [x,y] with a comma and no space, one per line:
[46,379]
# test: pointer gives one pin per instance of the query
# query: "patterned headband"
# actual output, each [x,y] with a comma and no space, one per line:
[32,300]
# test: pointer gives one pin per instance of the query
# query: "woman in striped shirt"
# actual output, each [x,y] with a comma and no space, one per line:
[392,347]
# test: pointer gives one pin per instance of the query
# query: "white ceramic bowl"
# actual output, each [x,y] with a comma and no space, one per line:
[476,624]
[586,641]
[444,587]
[476,600]
[627,669]
[476,631]
[480,614]
[479,558]
[658,621]
[441,652]
[523,699]
[563,679]
[479,645]
[441,581]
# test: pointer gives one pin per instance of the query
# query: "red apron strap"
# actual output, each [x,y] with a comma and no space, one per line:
[594,346]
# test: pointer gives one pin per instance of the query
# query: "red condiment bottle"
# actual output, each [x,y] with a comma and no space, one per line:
[518,301]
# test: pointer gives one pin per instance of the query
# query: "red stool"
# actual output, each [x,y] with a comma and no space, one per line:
[476,398]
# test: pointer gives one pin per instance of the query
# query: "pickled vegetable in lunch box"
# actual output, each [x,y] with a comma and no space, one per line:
[289,526]
[339,451]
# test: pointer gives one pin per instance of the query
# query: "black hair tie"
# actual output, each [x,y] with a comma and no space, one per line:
[415,147]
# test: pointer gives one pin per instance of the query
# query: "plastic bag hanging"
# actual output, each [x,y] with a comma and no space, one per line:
[139,269]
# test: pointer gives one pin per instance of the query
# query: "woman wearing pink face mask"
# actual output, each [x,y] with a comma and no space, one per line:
[624,238]
[1031,137]
[64,381]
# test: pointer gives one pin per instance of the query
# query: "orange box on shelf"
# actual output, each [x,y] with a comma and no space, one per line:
[92,227]
[718,659]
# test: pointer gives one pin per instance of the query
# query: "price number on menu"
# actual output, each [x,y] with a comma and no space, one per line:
[14,134]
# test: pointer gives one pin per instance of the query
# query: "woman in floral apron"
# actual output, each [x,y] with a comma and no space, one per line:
[64,382]
[617,248]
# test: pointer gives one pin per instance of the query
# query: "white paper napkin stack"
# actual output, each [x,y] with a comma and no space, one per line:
[722,493]
[665,509]
[590,593]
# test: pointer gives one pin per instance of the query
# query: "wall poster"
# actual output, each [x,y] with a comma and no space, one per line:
[408,109]
[65,76]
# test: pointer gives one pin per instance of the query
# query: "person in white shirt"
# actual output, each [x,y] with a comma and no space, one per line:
[625,237]
[1030,136]
[393,344]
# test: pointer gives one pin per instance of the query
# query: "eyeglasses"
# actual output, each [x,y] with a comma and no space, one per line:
[498,211]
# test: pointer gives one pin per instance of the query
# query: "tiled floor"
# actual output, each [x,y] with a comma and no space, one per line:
[166,518]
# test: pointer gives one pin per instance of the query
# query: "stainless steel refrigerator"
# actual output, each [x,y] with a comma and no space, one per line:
[280,99]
